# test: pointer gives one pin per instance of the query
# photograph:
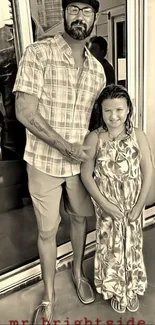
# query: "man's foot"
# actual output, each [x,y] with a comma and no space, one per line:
[43,314]
[133,303]
[117,306]
[83,289]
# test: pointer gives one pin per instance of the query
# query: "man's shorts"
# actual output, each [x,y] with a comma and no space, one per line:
[46,192]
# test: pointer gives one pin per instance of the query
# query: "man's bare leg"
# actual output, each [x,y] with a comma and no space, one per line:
[78,239]
[48,252]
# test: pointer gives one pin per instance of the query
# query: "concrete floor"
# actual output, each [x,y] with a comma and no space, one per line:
[20,305]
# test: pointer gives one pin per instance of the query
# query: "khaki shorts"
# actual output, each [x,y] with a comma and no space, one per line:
[46,192]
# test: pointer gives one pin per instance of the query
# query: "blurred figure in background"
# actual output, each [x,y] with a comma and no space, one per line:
[98,47]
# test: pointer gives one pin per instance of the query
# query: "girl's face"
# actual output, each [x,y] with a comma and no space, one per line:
[114,112]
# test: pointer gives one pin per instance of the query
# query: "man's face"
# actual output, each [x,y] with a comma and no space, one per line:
[79,24]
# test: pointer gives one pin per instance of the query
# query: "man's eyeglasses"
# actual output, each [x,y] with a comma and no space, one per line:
[74,10]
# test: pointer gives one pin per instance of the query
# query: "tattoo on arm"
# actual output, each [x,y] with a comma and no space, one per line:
[43,130]
[41,126]
[32,118]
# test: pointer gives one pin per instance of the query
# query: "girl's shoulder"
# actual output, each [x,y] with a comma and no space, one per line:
[94,137]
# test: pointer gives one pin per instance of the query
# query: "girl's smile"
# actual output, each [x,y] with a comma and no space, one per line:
[114,112]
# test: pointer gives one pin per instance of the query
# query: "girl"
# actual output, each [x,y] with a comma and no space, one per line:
[118,178]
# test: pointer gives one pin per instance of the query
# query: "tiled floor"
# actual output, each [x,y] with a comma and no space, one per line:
[20,305]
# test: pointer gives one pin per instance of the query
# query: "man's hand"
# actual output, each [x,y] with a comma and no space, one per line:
[76,154]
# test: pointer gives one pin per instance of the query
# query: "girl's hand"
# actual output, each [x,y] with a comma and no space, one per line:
[113,211]
[134,214]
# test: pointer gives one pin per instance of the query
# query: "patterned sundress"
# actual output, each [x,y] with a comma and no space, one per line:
[119,265]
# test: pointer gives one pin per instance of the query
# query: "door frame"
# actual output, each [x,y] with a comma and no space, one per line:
[22,26]
[135,57]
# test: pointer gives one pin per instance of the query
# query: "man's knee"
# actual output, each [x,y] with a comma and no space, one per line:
[78,219]
[48,234]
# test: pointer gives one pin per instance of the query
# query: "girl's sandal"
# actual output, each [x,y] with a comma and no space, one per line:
[117,306]
[133,303]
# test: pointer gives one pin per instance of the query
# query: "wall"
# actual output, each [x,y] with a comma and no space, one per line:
[108,4]
[114,7]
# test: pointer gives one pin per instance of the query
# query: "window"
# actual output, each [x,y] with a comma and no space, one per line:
[41,17]
[39,2]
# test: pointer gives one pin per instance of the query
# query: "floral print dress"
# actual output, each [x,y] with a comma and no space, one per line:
[119,265]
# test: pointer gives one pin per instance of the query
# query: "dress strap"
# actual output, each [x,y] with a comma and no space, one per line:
[98,131]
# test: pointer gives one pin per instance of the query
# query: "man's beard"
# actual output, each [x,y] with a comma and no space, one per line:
[79,32]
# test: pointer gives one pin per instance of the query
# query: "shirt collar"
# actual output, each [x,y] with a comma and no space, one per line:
[64,47]
[62,44]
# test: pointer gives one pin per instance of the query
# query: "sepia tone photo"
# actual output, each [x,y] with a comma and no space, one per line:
[77,170]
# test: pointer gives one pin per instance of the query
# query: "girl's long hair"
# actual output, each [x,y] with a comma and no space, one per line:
[111,92]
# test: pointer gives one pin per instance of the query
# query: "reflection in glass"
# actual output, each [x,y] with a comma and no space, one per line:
[120,49]
[48,13]
[12,132]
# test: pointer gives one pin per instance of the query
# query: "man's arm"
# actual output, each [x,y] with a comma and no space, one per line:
[27,113]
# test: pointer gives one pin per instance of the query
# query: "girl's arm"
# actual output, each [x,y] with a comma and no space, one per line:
[146,170]
[87,169]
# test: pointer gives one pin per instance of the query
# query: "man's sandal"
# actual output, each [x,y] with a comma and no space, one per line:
[83,288]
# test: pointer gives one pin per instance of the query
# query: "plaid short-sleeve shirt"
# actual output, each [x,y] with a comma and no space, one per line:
[66,98]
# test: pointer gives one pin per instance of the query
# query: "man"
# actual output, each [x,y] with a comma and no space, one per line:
[98,47]
[57,84]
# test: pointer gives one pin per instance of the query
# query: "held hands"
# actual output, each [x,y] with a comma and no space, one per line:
[76,154]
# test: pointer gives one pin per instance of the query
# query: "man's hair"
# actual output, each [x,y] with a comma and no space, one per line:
[93,3]
[101,42]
